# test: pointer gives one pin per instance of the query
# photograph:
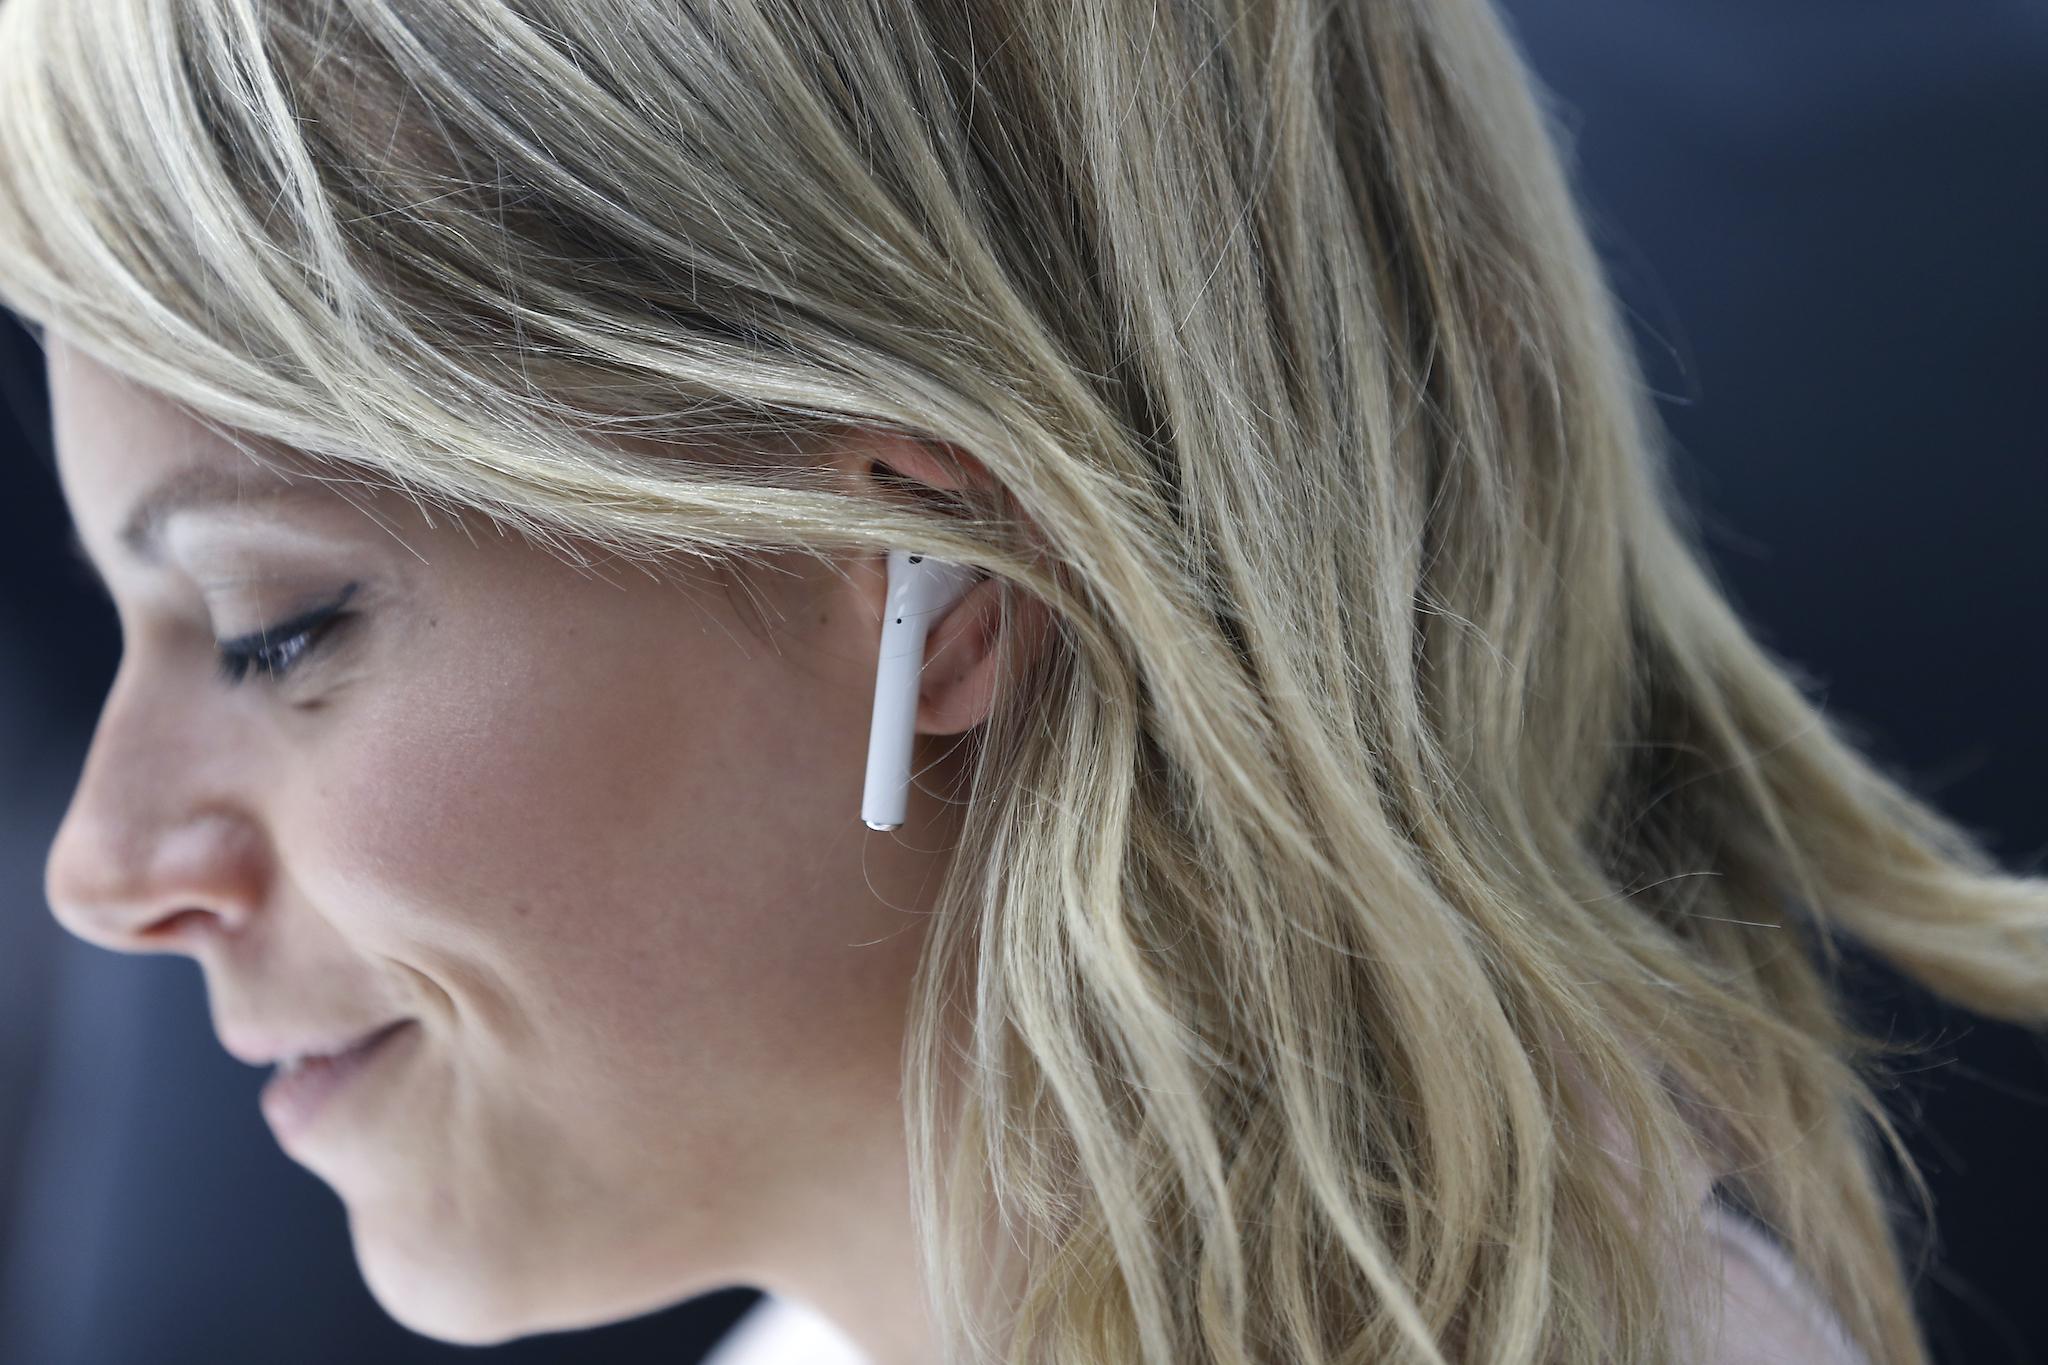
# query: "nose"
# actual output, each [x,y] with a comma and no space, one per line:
[153,854]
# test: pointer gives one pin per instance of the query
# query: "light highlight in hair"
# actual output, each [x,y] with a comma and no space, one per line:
[1404,805]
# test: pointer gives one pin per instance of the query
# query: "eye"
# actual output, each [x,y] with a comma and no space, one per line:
[277,649]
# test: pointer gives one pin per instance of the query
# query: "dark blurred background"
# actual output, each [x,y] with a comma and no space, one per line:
[1828,224]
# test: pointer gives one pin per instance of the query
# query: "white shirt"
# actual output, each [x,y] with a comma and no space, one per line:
[1769,1315]
[784,1332]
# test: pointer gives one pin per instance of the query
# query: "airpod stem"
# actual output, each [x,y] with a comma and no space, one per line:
[920,589]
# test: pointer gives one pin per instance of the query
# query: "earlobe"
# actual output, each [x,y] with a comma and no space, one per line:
[964,670]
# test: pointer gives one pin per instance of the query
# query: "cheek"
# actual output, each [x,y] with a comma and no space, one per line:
[597,850]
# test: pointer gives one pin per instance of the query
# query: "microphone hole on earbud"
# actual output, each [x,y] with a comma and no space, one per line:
[917,559]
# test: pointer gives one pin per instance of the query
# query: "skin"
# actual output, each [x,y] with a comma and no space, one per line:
[593,832]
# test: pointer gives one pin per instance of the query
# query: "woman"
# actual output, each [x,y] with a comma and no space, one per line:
[1364,897]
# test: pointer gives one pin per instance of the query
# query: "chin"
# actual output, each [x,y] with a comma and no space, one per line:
[443,1295]
[455,1297]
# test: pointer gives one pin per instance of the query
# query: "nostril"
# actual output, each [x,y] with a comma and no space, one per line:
[172,925]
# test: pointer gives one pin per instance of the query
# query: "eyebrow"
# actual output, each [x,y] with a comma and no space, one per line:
[194,487]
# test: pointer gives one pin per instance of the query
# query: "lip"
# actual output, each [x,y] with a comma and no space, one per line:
[266,1049]
[292,1102]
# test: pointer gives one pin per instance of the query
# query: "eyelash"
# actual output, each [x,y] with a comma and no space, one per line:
[275,661]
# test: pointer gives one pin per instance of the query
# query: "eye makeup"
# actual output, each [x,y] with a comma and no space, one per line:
[275,651]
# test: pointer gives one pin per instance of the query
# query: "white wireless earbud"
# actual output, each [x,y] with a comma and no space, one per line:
[920,587]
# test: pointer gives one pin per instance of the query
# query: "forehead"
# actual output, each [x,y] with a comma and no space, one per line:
[115,437]
[99,412]
[127,456]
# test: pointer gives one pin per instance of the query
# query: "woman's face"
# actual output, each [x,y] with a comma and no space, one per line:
[597,838]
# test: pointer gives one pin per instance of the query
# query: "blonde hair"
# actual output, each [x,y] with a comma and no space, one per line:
[1399,763]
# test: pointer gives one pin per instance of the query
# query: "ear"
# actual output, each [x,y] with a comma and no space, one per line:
[964,670]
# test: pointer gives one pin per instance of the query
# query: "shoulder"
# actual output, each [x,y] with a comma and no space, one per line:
[784,1332]
[1770,1314]
[1767,1312]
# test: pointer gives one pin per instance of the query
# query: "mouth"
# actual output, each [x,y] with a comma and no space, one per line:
[294,1063]
[305,1087]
